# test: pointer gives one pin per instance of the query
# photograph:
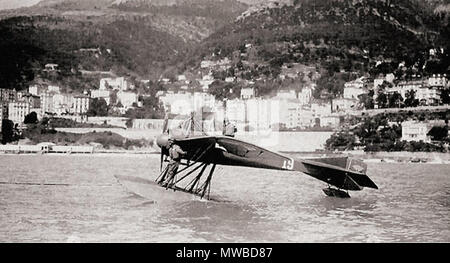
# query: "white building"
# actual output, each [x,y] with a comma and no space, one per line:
[206,81]
[415,131]
[344,104]
[332,121]
[46,102]
[80,104]
[8,95]
[235,110]
[62,103]
[354,88]
[286,94]
[305,95]
[247,93]
[17,111]
[430,94]
[321,109]
[438,80]
[35,90]
[203,99]
[127,98]
[54,89]
[119,83]
[259,113]
[178,103]
[101,93]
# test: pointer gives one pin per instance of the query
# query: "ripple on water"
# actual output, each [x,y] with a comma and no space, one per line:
[412,204]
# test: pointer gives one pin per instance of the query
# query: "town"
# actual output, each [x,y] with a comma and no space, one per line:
[290,108]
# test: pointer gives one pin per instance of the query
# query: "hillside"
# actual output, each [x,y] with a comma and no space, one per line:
[126,37]
[334,36]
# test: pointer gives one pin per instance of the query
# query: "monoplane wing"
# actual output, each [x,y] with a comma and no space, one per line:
[343,172]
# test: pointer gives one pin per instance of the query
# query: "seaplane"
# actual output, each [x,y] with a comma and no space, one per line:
[341,174]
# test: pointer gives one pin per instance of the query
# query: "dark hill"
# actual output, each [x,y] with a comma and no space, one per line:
[335,36]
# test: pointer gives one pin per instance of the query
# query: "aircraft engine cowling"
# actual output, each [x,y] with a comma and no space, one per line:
[162,141]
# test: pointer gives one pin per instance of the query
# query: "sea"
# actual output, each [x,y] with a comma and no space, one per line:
[79,198]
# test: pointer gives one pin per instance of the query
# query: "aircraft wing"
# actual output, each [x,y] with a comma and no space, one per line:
[343,172]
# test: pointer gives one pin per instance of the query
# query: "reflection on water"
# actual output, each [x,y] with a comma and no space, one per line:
[88,204]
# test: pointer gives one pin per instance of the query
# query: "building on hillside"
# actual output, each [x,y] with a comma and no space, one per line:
[127,99]
[178,103]
[332,121]
[101,94]
[418,130]
[320,108]
[438,81]
[286,94]
[35,90]
[3,110]
[17,111]
[46,102]
[354,88]
[62,104]
[119,83]
[8,95]
[247,93]
[344,104]
[54,89]
[305,95]
[80,104]
[35,101]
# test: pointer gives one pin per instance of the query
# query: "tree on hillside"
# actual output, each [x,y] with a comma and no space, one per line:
[7,131]
[410,100]
[395,100]
[445,96]
[31,118]
[98,107]
[367,100]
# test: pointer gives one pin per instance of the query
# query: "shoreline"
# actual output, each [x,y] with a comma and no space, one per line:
[377,157]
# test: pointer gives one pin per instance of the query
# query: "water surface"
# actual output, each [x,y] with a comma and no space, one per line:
[76,198]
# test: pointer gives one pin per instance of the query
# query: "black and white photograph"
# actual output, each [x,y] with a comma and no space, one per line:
[224,121]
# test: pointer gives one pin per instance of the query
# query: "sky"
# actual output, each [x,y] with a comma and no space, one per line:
[10,4]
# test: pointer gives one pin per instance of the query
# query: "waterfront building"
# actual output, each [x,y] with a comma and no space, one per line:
[203,100]
[235,110]
[258,113]
[178,103]
[415,131]
[418,130]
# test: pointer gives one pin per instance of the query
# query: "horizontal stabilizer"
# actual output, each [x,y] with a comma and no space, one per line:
[343,172]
